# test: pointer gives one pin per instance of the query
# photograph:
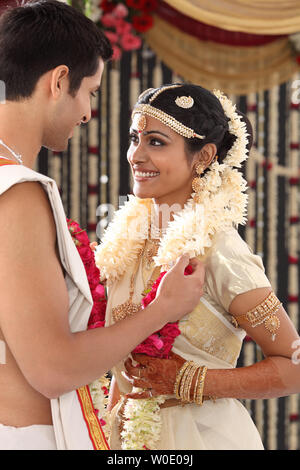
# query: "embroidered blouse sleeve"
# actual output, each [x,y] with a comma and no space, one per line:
[232,269]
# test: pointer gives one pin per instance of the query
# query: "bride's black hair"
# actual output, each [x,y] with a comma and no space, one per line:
[205,117]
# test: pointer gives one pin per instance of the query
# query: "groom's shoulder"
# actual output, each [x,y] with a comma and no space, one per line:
[25,206]
[23,192]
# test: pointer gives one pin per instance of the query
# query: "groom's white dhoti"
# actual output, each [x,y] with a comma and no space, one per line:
[75,425]
[37,437]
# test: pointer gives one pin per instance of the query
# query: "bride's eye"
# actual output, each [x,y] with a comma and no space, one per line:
[156,142]
[133,138]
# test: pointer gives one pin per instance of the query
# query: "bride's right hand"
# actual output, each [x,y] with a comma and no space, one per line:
[179,293]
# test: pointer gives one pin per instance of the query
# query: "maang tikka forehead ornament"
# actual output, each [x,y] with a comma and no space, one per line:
[149,110]
[141,123]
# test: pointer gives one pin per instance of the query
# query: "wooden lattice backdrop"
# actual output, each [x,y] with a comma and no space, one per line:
[94,172]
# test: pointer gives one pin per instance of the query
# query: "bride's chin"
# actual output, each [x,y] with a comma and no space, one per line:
[142,194]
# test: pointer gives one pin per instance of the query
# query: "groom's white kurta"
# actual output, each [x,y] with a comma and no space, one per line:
[69,425]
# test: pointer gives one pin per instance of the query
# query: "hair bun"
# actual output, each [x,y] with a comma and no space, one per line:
[225,145]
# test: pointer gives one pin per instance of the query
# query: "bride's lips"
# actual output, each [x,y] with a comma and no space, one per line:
[141,178]
[145,178]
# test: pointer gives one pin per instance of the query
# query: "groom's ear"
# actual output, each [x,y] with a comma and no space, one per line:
[59,81]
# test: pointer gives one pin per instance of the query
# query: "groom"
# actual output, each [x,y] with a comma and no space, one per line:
[51,61]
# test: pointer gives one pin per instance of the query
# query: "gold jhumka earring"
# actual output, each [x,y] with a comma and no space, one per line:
[198,183]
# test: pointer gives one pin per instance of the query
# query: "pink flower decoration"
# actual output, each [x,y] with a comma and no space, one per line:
[97,324]
[113,37]
[129,42]
[117,53]
[123,27]
[99,292]
[120,11]
[109,20]
[158,343]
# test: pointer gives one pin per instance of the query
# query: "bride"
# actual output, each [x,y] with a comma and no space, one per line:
[186,146]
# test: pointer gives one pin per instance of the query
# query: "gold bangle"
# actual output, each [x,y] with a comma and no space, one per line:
[195,388]
[184,380]
[178,379]
[200,386]
[188,384]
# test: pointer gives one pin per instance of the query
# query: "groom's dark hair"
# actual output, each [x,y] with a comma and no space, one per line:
[38,35]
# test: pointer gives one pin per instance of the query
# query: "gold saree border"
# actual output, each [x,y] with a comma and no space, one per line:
[92,422]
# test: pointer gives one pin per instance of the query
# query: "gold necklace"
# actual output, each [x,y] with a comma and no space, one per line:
[150,250]
[129,308]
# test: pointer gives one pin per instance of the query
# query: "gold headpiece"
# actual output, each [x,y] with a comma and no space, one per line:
[184,102]
[165,118]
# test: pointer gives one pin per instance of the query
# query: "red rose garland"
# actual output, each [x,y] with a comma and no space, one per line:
[160,343]
[82,243]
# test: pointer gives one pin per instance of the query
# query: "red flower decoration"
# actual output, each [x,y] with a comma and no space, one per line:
[82,242]
[150,5]
[109,20]
[113,37]
[142,23]
[137,4]
[123,27]
[117,53]
[129,42]
[161,342]
[106,6]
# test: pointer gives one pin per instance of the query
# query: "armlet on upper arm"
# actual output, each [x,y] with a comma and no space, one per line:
[264,313]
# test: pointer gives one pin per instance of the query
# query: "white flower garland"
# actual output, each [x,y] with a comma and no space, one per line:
[223,204]
[100,400]
[142,424]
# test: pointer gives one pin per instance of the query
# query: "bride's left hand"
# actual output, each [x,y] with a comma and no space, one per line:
[156,376]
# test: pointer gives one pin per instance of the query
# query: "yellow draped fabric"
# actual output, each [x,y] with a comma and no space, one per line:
[248,16]
[237,70]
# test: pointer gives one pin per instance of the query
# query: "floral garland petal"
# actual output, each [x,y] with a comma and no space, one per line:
[142,424]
